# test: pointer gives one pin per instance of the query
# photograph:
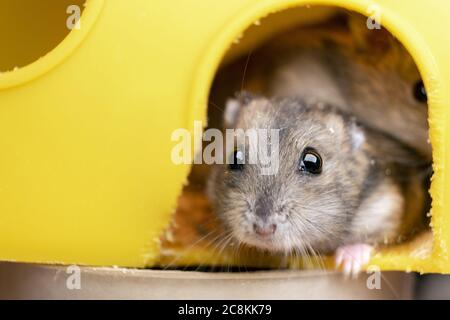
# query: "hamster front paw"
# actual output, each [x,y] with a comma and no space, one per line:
[352,257]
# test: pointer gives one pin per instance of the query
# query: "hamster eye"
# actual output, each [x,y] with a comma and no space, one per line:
[237,160]
[310,161]
[419,92]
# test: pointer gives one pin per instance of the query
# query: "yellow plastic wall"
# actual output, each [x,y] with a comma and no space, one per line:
[85,169]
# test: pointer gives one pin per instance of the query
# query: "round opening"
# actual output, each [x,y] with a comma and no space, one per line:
[35,35]
[333,56]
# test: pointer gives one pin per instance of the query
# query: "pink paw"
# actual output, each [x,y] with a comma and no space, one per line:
[352,257]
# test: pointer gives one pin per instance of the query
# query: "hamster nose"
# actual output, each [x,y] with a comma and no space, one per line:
[265,230]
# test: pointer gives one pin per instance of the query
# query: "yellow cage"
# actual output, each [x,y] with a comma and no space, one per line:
[86,117]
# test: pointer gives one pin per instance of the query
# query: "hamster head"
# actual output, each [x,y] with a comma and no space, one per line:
[395,70]
[367,72]
[380,79]
[309,201]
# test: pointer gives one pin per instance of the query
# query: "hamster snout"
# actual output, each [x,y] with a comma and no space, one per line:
[265,222]
[264,229]
[263,225]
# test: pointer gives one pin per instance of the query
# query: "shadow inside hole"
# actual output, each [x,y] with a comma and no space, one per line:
[30,29]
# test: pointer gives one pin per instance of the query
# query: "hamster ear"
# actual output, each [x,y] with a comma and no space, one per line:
[245,97]
[357,135]
[234,105]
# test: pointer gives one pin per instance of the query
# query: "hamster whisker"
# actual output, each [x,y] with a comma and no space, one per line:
[318,257]
[298,248]
[305,254]
[215,106]
[222,244]
[223,236]
[244,73]
[187,250]
[332,211]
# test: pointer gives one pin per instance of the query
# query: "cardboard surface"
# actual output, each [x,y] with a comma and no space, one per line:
[24,281]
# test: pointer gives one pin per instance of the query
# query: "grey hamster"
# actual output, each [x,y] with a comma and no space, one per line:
[339,185]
